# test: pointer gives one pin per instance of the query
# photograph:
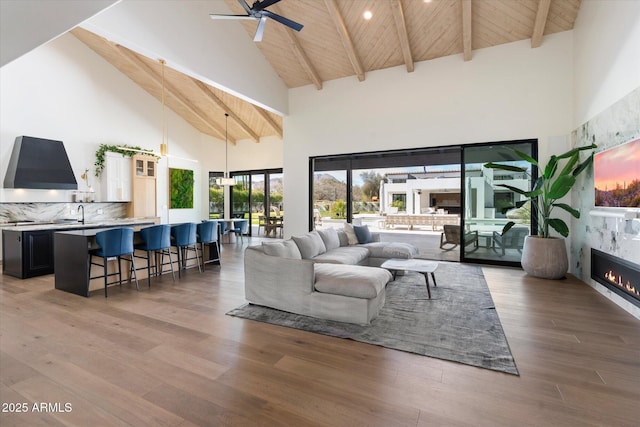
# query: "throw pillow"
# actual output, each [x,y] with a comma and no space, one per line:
[351,235]
[285,249]
[310,244]
[342,237]
[330,238]
[362,233]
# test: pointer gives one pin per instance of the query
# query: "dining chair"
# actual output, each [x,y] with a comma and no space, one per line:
[183,237]
[240,228]
[224,229]
[262,223]
[114,244]
[157,240]
[207,234]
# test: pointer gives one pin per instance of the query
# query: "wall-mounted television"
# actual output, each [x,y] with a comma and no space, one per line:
[617,176]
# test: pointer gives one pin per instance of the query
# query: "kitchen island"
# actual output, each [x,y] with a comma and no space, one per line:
[72,268]
[28,249]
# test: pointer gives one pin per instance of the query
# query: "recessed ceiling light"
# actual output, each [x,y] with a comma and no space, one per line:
[427,1]
[367,14]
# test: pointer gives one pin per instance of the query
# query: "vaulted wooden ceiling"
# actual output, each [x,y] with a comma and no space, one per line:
[337,42]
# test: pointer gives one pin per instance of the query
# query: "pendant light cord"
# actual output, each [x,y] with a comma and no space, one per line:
[163,146]
[226,145]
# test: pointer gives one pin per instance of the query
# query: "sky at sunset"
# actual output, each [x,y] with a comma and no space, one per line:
[619,165]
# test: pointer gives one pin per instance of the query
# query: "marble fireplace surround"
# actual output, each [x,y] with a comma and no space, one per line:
[614,235]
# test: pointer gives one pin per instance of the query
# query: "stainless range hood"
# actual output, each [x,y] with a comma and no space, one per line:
[38,163]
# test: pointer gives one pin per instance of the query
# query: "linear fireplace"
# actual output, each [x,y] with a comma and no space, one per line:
[617,274]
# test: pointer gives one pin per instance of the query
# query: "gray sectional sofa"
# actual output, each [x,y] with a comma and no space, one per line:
[325,273]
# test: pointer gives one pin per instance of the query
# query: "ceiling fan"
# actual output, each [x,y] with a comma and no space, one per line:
[258,11]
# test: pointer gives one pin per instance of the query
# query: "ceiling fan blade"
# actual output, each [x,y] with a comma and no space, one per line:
[281,19]
[260,29]
[245,6]
[214,16]
[264,4]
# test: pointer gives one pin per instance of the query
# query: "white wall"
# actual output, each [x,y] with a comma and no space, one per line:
[607,112]
[606,55]
[63,90]
[27,24]
[219,52]
[244,155]
[505,92]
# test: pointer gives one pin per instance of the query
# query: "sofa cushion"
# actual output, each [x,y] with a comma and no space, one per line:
[284,249]
[351,234]
[330,238]
[351,280]
[362,233]
[310,244]
[391,250]
[342,237]
[344,255]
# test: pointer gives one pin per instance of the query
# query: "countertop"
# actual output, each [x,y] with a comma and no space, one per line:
[75,225]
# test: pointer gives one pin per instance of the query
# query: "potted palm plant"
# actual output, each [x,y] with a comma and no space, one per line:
[545,255]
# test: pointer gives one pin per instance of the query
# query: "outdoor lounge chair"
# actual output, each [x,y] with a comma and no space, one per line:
[512,239]
[450,237]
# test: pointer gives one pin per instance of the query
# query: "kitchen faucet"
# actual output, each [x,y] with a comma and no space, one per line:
[81,207]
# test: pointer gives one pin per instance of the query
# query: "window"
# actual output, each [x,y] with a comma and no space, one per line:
[421,191]
[216,196]
[258,197]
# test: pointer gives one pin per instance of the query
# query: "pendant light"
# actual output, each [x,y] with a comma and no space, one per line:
[226,180]
[164,144]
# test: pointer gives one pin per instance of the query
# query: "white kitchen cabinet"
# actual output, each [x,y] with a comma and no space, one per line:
[144,201]
[116,178]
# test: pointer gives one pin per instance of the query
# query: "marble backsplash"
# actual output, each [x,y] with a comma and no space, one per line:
[617,236]
[43,212]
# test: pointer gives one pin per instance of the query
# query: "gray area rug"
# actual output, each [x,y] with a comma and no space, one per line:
[459,323]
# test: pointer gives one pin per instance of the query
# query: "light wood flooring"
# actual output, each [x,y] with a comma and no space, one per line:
[169,356]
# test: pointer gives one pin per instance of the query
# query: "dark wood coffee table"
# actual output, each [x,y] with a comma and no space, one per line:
[418,265]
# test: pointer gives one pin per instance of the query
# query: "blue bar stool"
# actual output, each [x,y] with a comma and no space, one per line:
[207,234]
[114,244]
[183,237]
[156,239]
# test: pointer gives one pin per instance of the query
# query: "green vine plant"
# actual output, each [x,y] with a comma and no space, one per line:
[124,149]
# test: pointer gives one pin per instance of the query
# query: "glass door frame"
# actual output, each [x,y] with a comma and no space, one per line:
[346,162]
[267,188]
[533,226]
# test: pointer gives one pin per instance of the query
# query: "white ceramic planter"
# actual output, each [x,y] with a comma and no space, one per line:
[545,258]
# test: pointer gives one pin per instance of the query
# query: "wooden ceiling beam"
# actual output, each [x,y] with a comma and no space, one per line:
[466,29]
[142,66]
[267,118]
[403,35]
[334,12]
[206,91]
[540,23]
[300,54]
[303,59]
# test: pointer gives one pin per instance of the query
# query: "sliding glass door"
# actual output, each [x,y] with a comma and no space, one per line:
[216,196]
[489,204]
[258,197]
[443,200]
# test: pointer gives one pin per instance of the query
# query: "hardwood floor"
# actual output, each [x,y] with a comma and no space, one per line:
[169,356]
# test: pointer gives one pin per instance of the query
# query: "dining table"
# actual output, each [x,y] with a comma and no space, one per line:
[273,224]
